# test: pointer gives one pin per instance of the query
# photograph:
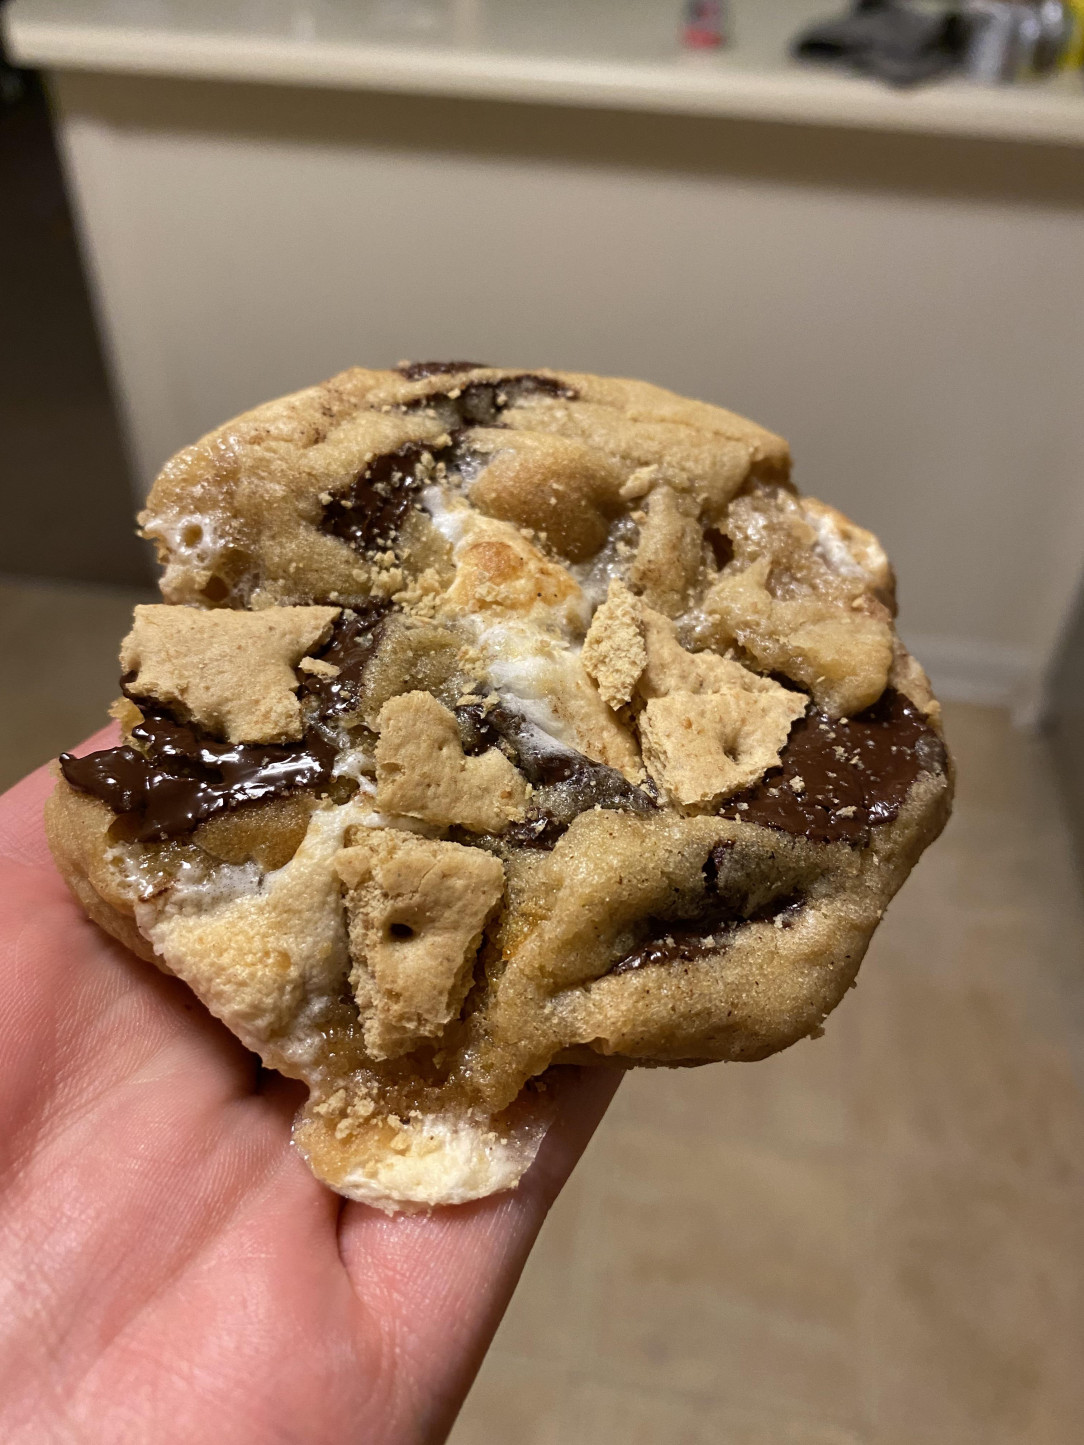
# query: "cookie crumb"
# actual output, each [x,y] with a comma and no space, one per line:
[318,667]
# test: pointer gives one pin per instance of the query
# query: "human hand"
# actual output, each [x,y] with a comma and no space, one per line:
[171,1270]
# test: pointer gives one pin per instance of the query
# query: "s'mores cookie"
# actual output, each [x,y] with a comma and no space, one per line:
[493,721]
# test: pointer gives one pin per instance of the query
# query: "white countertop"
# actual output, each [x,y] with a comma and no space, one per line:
[616,53]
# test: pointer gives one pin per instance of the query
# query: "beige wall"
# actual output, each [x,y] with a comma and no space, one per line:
[909,311]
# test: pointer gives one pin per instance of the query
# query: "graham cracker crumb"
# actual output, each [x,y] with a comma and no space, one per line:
[613,651]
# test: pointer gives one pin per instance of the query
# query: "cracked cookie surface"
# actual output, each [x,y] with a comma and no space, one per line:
[492,721]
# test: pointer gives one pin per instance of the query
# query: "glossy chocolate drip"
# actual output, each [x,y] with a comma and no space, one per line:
[179,776]
[182,777]
[419,370]
[839,778]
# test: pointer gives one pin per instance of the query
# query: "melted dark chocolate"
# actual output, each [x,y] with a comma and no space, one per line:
[684,942]
[352,642]
[566,782]
[477,732]
[541,830]
[371,512]
[183,777]
[839,778]
[542,761]
[419,370]
[480,403]
[179,776]
[677,945]
[852,775]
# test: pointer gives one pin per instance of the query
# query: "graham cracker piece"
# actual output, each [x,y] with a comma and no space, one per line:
[702,747]
[709,726]
[672,668]
[614,652]
[230,672]
[632,649]
[417,910]
[669,556]
[422,771]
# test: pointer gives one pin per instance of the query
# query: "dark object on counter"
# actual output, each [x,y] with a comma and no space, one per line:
[899,43]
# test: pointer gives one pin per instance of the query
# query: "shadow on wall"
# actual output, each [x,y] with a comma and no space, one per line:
[960,167]
[64,479]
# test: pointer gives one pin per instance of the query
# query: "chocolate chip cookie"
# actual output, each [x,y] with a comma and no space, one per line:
[492,721]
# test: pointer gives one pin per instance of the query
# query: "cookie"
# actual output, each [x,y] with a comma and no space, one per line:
[495,721]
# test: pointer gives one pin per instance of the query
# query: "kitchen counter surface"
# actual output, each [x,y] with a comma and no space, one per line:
[621,54]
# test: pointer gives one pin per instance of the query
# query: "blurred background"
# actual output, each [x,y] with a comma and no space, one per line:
[864,227]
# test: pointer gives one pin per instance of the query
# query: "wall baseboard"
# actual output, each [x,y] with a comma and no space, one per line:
[992,674]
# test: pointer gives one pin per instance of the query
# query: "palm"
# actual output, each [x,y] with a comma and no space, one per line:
[171,1269]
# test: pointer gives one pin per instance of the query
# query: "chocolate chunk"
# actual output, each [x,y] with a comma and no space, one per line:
[742,884]
[840,777]
[566,782]
[352,643]
[682,943]
[371,512]
[419,370]
[480,403]
[592,785]
[544,762]
[183,777]
[476,731]
[676,945]
[180,776]
[539,831]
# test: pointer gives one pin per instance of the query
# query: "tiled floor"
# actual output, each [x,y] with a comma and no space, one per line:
[876,1238]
